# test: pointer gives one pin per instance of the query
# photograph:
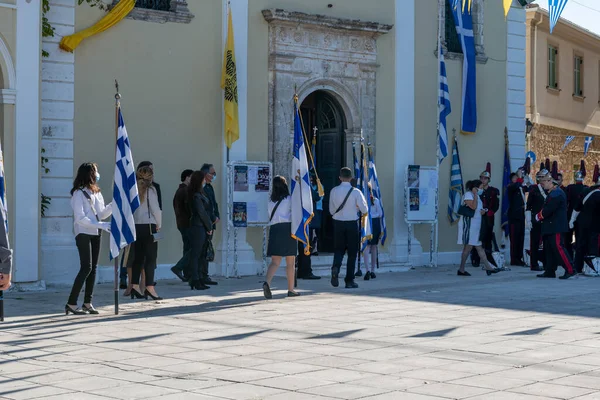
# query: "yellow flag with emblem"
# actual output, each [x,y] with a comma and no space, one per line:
[229,85]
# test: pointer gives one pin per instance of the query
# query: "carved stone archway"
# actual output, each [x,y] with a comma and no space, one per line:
[314,52]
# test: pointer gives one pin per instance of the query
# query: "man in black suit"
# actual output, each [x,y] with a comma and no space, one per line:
[535,204]
[209,176]
[516,219]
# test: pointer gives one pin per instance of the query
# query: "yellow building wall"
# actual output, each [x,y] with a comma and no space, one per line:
[488,143]
[169,76]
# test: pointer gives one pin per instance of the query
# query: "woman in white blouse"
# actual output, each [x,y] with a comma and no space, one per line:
[148,220]
[281,242]
[371,251]
[88,212]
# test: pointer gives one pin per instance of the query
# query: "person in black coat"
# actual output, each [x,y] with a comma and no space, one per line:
[574,192]
[516,219]
[535,204]
[586,219]
[554,224]
[201,225]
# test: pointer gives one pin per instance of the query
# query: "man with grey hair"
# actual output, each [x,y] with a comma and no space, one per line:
[209,176]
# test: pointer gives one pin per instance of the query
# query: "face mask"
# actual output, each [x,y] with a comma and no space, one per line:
[214,178]
[97,177]
[479,192]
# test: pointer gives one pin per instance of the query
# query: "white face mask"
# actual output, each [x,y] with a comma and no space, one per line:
[479,192]
[97,177]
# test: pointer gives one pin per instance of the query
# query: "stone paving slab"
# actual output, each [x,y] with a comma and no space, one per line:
[425,334]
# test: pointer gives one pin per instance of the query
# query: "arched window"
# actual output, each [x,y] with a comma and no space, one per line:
[328,114]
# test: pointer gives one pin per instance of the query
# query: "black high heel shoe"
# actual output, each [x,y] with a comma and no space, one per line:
[77,311]
[491,271]
[147,293]
[198,285]
[137,295]
[89,310]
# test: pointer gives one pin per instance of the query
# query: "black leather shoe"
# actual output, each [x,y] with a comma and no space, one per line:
[310,277]
[267,291]
[546,276]
[367,276]
[537,269]
[178,273]
[567,275]
[334,277]
[358,273]
[462,273]
[89,310]
[123,284]
[351,285]
[293,294]
[208,281]
[373,276]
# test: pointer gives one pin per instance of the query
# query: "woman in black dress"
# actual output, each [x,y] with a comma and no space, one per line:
[281,242]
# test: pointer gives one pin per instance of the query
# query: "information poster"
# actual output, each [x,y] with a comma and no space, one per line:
[414,199]
[263,184]
[413,176]
[252,176]
[240,179]
[252,211]
[240,214]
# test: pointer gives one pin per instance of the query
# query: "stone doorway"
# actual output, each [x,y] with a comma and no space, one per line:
[321,110]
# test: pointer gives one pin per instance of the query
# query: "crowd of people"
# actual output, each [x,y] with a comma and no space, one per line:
[556,216]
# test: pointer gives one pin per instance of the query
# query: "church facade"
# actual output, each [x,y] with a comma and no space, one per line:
[358,68]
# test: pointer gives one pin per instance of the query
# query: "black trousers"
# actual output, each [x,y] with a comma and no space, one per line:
[184,263]
[582,249]
[146,251]
[556,254]
[88,247]
[569,241]
[202,261]
[304,262]
[534,244]
[517,238]
[198,245]
[345,237]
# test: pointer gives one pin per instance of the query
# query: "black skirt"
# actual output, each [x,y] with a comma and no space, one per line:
[281,242]
[376,228]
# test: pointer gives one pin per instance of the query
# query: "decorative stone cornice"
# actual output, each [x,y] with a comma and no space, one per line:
[8,96]
[295,17]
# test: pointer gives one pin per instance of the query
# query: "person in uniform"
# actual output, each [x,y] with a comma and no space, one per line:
[491,202]
[303,261]
[574,192]
[345,202]
[516,218]
[535,204]
[586,221]
[554,224]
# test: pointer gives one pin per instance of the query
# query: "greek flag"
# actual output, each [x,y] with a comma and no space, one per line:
[464,28]
[125,194]
[3,190]
[444,109]
[302,205]
[555,8]
[355,160]
[456,186]
[366,231]
[587,144]
[377,193]
[567,141]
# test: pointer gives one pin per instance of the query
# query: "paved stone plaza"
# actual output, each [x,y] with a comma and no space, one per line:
[417,335]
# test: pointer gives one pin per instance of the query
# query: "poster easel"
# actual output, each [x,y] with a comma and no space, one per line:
[421,193]
[248,192]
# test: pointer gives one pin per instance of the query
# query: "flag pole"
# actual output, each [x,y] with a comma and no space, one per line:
[116,260]
[437,164]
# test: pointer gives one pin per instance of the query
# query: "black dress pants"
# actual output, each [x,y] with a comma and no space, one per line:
[88,247]
[197,243]
[534,245]
[556,254]
[146,251]
[517,238]
[304,262]
[345,237]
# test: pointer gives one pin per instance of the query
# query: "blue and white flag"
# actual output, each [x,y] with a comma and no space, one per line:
[302,205]
[555,9]
[464,29]
[567,141]
[366,230]
[587,144]
[355,162]
[456,186]
[444,108]
[125,194]
[377,193]
[3,190]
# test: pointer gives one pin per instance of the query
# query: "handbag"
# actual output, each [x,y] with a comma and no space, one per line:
[466,211]
[210,251]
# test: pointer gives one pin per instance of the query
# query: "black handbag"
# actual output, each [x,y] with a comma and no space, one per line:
[466,211]
[210,251]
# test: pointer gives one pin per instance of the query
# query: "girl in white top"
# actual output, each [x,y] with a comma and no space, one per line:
[371,251]
[88,212]
[148,220]
[469,228]
[281,242]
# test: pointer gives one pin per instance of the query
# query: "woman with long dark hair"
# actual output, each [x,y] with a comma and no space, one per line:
[88,212]
[281,242]
[201,226]
[148,221]
[469,228]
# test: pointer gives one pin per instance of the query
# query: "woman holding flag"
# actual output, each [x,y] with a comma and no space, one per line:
[372,249]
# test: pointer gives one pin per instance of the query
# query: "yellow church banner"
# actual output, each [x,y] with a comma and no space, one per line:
[114,16]
[229,84]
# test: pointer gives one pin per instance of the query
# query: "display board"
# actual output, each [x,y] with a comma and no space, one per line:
[249,190]
[421,194]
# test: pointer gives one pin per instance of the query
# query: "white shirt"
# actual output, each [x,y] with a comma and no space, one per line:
[376,211]
[149,212]
[356,203]
[84,217]
[283,213]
